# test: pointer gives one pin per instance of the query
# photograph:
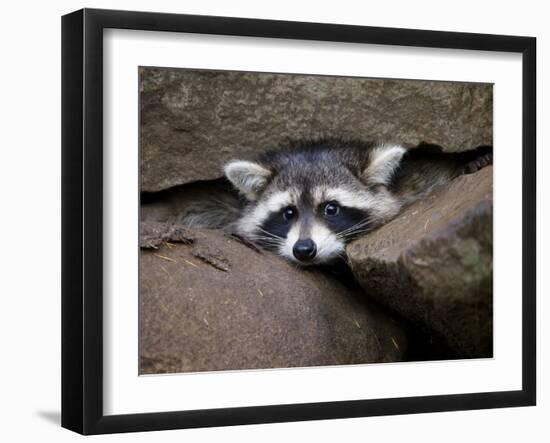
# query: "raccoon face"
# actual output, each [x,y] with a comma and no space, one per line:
[307,207]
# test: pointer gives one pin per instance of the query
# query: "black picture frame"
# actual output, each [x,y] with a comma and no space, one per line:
[82,218]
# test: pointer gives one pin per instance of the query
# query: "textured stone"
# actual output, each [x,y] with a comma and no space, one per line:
[214,303]
[433,264]
[192,122]
[153,234]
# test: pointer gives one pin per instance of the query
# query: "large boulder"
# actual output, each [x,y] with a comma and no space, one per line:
[433,264]
[211,302]
[192,122]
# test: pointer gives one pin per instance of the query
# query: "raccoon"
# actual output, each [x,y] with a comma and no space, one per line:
[306,202]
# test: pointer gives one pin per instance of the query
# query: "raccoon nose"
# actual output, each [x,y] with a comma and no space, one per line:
[304,249]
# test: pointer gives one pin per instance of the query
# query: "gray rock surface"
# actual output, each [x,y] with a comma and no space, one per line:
[433,264]
[192,122]
[211,303]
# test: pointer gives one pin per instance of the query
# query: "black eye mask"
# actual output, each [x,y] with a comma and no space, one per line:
[348,221]
[277,225]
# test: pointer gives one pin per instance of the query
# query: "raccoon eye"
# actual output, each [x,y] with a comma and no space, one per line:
[289,213]
[332,208]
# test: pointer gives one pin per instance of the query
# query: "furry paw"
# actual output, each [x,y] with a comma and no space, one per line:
[478,163]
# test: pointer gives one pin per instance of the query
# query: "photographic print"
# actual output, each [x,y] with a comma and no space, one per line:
[296,220]
[270,221]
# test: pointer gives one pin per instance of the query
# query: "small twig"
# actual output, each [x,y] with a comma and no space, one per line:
[246,242]
[395,344]
[426,224]
[192,264]
[165,258]
[167,273]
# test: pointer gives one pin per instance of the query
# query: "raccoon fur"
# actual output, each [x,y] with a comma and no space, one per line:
[306,202]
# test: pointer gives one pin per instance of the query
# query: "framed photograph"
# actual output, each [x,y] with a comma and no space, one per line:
[268,221]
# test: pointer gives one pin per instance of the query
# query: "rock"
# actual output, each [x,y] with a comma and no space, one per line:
[192,122]
[215,303]
[154,234]
[433,264]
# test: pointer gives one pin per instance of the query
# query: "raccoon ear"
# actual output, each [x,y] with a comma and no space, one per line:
[248,177]
[382,163]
